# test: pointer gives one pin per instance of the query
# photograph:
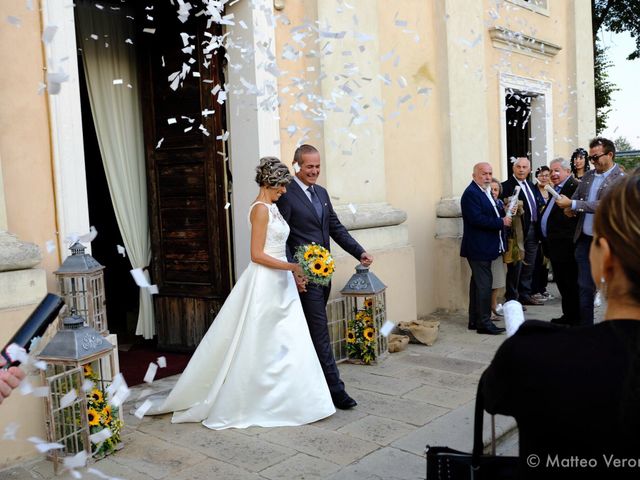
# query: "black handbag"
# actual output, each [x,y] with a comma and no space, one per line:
[447,463]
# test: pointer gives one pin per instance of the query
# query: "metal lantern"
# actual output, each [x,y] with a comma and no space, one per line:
[365,294]
[67,354]
[81,284]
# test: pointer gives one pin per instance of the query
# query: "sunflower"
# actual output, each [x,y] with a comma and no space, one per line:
[94,418]
[307,254]
[369,333]
[351,336]
[88,371]
[96,395]
[106,415]
[368,302]
[316,268]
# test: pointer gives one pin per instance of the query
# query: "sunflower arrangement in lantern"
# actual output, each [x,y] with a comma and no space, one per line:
[317,263]
[101,416]
[361,334]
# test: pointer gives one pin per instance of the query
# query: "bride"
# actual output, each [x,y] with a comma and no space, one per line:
[256,365]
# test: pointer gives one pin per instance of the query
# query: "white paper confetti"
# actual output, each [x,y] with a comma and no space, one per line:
[149,30]
[151,373]
[386,328]
[17,353]
[159,143]
[162,362]
[118,81]
[68,399]
[121,250]
[353,209]
[44,446]
[50,246]
[10,431]
[48,33]
[143,409]
[227,205]
[78,460]
[15,21]
[100,436]
[171,121]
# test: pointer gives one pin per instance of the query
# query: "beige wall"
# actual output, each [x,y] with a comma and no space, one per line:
[24,133]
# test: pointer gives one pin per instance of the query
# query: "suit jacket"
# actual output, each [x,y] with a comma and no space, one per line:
[558,245]
[581,195]
[508,187]
[482,227]
[296,208]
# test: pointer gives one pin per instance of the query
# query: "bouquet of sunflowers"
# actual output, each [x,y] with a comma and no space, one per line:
[316,262]
[101,415]
[361,334]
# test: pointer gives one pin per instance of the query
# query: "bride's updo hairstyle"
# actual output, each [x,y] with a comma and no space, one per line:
[272,173]
[618,220]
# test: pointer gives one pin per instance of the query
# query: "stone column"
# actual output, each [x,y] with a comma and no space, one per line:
[252,115]
[353,153]
[465,140]
[21,289]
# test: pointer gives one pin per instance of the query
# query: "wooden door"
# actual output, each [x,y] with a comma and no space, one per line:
[518,127]
[187,176]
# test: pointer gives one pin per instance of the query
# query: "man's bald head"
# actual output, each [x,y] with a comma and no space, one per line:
[482,174]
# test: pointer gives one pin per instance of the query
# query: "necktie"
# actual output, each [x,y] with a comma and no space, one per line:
[315,201]
[532,202]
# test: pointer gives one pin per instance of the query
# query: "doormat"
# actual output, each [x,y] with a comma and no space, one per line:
[134,363]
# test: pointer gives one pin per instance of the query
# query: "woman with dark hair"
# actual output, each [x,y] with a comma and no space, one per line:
[575,393]
[579,164]
[256,365]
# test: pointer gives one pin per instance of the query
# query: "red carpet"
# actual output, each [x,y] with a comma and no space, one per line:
[135,362]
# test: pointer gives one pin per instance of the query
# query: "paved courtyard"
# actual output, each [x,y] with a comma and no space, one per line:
[421,396]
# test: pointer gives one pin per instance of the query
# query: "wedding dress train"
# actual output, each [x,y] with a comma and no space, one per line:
[256,365]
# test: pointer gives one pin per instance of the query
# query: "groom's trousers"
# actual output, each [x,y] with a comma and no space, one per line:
[314,304]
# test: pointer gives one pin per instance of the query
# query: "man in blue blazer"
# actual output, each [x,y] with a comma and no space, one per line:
[481,244]
[307,209]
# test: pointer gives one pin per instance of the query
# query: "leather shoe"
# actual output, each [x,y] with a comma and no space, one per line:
[531,301]
[491,329]
[343,401]
[561,321]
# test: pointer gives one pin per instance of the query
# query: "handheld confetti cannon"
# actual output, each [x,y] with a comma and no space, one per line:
[514,201]
[34,326]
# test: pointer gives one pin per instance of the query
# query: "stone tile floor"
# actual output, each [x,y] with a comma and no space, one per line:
[424,395]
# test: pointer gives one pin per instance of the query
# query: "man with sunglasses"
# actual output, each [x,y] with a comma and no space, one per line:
[583,204]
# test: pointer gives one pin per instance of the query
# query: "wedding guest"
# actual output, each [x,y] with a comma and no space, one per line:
[579,164]
[9,379]
[583,204]
[580,398]
[557,240]
[540,277]
[481,245]
[498,268]
[520,273]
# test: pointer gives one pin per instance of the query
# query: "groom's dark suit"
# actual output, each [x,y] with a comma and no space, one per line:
[307,227]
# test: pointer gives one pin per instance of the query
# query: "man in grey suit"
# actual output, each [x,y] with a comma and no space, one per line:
[583,204]
[307,209]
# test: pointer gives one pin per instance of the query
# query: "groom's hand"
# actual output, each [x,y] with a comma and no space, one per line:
[366,259]
[301,282]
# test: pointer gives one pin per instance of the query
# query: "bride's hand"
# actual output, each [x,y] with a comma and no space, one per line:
[297,270]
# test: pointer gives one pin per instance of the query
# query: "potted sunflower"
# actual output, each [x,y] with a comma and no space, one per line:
[101,416]
[361,334]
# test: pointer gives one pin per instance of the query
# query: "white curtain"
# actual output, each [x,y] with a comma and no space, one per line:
[110,68]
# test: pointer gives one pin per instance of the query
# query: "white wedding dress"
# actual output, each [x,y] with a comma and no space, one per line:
[256,365]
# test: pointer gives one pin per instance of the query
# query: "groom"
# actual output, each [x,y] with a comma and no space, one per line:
[307,209]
